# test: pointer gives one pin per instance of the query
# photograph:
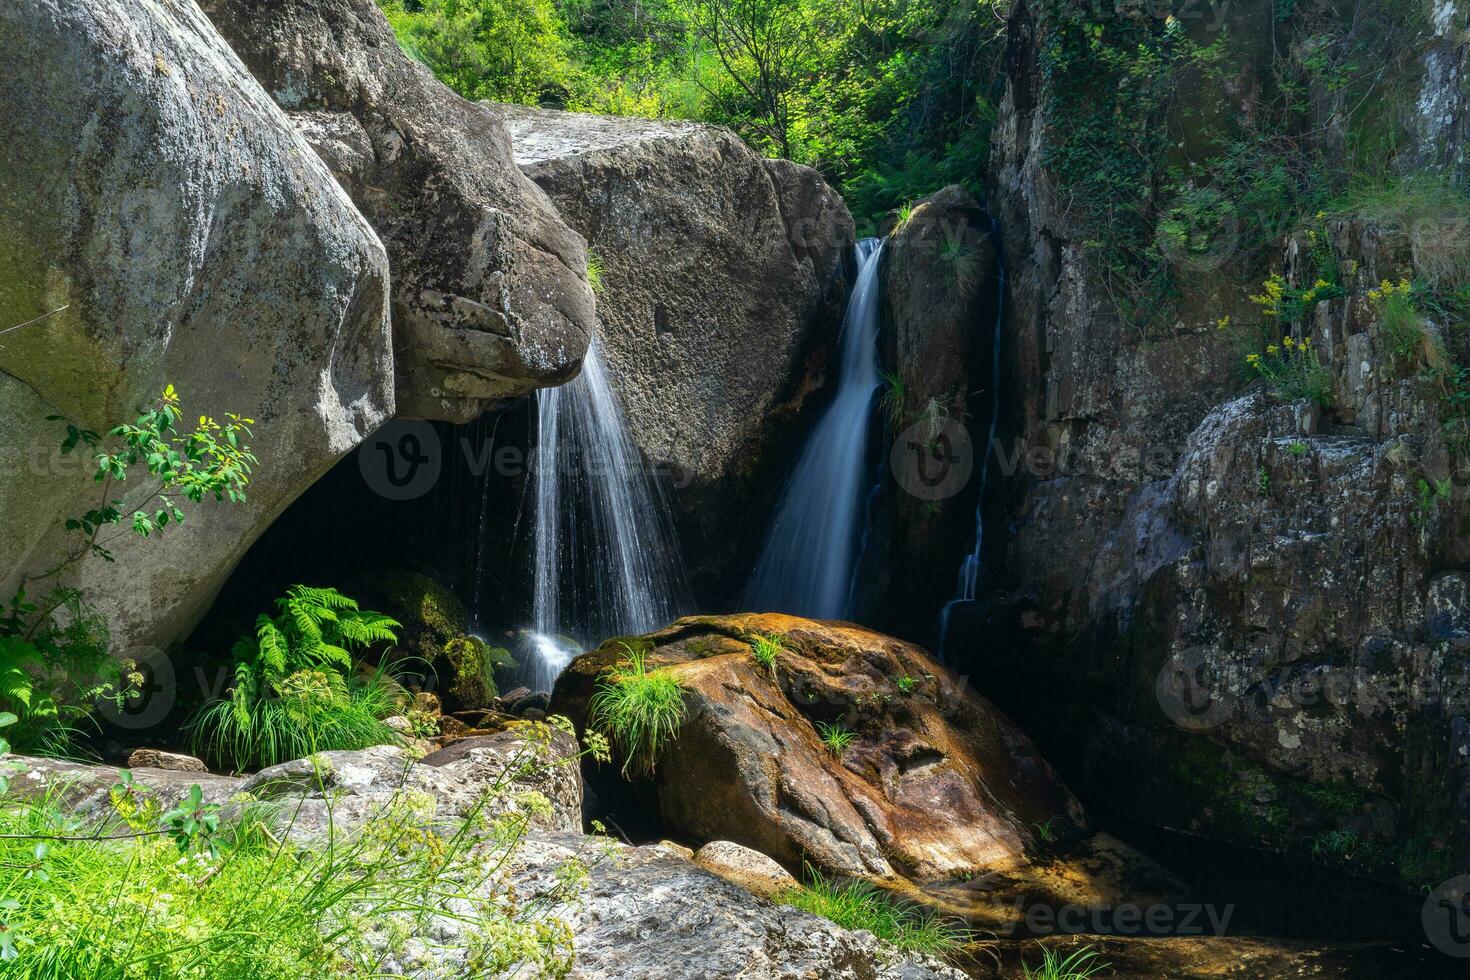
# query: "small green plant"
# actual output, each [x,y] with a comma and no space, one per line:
[890,403]
[861,905]
[1399,322]
[906,684]
[902,215]
[595,272]
[960,262]
[1339,844]
[1263,481]
[1427,498]
[1045,830]
[766,649]
[638,709]
[1080,964]
[1293,370]
[930,509]
[835,737]
[294,691]
[1297,449]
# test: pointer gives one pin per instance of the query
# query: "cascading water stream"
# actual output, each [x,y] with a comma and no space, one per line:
[969,576]
[606,563]
[807,564]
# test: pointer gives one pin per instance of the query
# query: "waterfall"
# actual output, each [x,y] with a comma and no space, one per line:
[605,560]
[807,564]
[969,575]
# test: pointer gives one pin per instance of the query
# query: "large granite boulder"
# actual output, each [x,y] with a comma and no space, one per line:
[722,277]
[490,296]
[161,209]
[935,785]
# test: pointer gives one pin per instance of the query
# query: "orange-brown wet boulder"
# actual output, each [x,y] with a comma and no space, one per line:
[935,784]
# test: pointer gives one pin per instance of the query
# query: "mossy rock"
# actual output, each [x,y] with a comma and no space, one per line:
[470,674]
[431,614]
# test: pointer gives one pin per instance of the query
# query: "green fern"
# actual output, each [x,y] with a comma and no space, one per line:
[291,689]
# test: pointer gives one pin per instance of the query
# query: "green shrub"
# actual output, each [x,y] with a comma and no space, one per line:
[640,710]
[1294,370]
[595,272]
[861,905]
[293,691]
[1080,964]
[54,659]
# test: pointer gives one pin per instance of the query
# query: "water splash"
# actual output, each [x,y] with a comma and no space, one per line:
[605,558]
[806,567]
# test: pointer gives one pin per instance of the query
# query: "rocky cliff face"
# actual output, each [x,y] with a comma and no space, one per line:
[490,296]
[722,278]
[1251,609]
[169,225]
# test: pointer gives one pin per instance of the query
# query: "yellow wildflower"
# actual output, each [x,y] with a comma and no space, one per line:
[1273,350]
[1287,342]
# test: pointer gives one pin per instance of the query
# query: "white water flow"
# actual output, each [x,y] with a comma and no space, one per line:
[807,565]
[606,563]
[969,576]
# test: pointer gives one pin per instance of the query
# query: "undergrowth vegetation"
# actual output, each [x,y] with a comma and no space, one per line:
[297,687]
[639,710]
[856,904]
[1080,964]
[55,661]
[228,892]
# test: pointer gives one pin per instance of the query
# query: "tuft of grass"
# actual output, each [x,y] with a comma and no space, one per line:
[835,737]
[902,213]
[1297,448]
[317,712]
[862,905]
[961,264]
[1080,964]
[890,403]
[765,649]
[1340,844]
[640,710]
[595,271]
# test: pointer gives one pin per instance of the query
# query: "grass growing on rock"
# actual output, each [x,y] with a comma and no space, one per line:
[862,905]
[765,649]
[639,710]
[835,737]
[1080,964]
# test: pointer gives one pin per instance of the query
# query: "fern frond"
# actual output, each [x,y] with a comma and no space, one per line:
[368,627]
[322,598]
[307,626]
[273,648]
[330,655]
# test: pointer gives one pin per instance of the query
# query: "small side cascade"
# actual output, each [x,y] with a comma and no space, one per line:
[806,566]
[605,558]
[968,584]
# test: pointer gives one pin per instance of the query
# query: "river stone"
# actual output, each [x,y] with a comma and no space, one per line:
[749,869]
[722,285]
[159,759]
[490,295]
[158,194]
[937,786]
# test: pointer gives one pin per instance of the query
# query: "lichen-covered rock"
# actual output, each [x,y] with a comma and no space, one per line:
[722,277]
[490,296]
[935,784]
[645,914]
[171,227]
